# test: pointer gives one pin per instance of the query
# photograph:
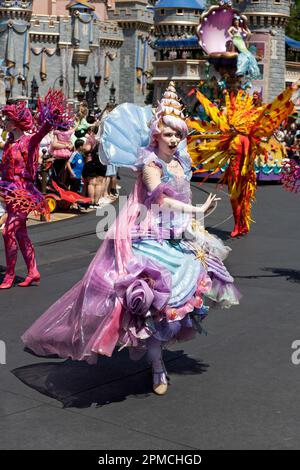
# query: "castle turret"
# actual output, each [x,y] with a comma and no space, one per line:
[76,48]
[136,20]
[178,55]
[82,30]
[268,20]
[14,42]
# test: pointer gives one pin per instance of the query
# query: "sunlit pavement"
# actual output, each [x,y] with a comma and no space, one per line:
[235,388]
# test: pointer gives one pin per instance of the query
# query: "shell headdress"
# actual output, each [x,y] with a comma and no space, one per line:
[169,112]
[170,104]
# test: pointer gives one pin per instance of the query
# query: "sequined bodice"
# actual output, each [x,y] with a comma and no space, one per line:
[161,223]
[178,179]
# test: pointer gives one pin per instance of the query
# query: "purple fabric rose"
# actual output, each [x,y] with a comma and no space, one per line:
[139,297]
[146,286]
[145,290]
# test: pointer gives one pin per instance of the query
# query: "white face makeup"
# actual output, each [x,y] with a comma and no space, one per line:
[168,141]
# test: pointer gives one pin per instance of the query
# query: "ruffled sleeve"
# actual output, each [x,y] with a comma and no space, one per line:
[158,194]
[146,157]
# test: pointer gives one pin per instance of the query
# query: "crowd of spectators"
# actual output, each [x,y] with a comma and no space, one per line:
[76,166]
[73,159]
[290,137]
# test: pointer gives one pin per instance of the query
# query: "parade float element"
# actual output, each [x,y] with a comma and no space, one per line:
[223,35]
[232,141]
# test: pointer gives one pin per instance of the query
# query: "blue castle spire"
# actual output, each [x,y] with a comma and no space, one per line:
[188,4]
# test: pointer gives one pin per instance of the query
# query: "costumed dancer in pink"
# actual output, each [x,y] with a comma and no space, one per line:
[19,166]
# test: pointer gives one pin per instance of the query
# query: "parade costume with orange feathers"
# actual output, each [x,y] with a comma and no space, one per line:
[233,140]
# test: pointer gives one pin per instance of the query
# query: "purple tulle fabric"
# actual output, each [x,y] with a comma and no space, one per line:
[224,295]
[218,269]
[163,189]
[122,297]
[87,320]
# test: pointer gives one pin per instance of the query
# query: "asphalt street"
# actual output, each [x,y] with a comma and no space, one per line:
[236,388]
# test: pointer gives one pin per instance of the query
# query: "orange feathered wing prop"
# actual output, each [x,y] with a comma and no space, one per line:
[232,140]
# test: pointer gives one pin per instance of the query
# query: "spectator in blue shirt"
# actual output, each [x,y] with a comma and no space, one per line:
[75,166]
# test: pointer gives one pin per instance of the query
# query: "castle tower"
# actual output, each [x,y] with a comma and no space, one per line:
[268,20]
[82,31]
[76,48]
[14,45]
[136,20]
[178,55]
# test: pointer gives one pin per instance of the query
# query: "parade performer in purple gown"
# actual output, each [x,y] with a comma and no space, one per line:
[19,166]
[155,272]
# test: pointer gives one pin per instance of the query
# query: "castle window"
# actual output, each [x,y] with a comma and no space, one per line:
[277,2]
[179,11]
[162,11]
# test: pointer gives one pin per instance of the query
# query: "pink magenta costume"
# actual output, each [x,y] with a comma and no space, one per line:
[19,166]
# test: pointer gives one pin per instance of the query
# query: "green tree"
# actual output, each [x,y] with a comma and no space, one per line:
[293,29]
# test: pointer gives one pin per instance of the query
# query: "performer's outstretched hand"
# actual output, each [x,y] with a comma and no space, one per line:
[296,84]
[210,203]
